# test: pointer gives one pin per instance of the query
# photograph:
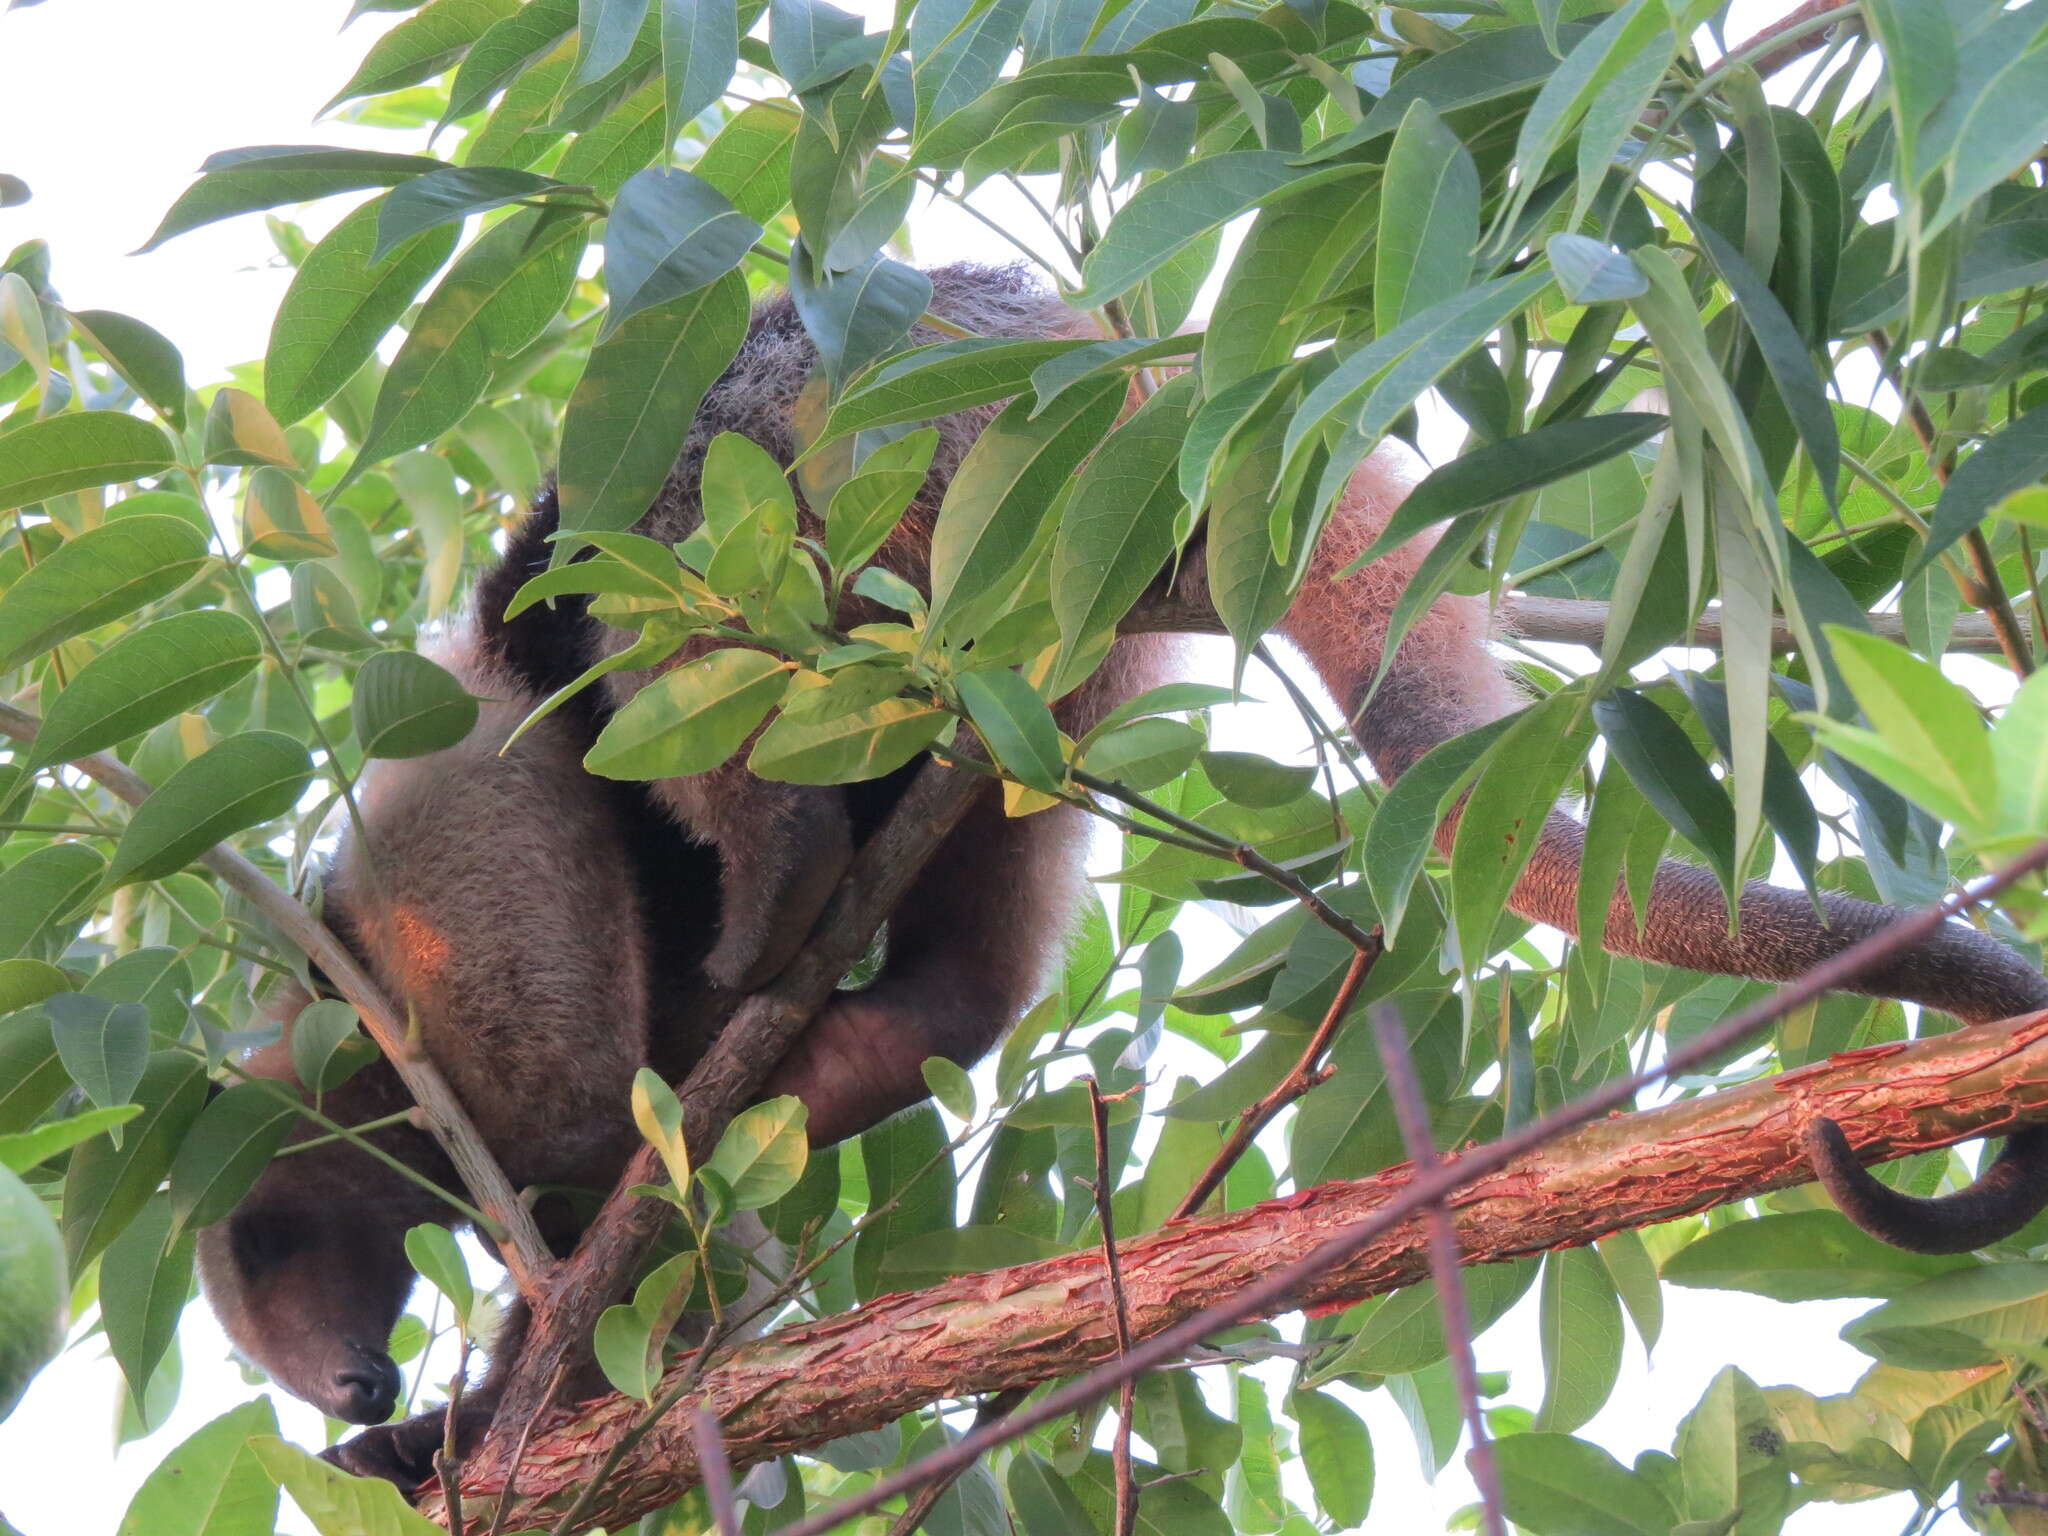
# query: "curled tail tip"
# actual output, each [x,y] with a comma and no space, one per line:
[2003,1198]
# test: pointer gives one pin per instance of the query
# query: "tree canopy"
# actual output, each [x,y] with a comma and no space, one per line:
[1730,361]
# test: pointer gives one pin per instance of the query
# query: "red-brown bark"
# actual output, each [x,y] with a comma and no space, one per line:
[1016,1327]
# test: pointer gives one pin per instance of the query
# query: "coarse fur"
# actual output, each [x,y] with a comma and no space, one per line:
[515,906]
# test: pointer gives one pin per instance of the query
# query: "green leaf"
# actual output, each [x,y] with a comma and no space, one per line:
[854,317]
[326,1046]
[495,300]
[1336,1450]
[1505,811]
[605,34]
[1964,1318]
[281,520]
[939,380]
[505,49]
[431,1249]
[448,196]
[265,176]
[226,1151]
[1017,726]
[633,406]
[407,706]
[1786,356]
[1634,1274]
[22,1150]
[1403,830]
[1730,1452]
[44,896]
[245,781]
[700,49]
[749,159]
[2011,460]
[1000,496]
[142,355]
[1373,385]
[339,306]
[1167,1508]
[629,1339]
[1591,273]
[240,432]
[1937,748]
[823,743]
[762,1153]
[143,1285]
[213,1483]
[1673,777]
[691,718]
[336,1503]
[866,509]
[1429,219]
[103,1045]
[1553,1485]
[659,1116]
[1143,754]
[105,1185]
[75,450]
[144,678]
[1170,214]
[424,44]
[1494,472]
[670,233]
[1405,1333]
[1246,778]
[950,1085]
[906,1160]
[1118,530]
[1580,1322]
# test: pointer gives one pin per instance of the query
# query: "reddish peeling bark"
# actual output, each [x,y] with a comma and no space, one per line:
[1016,1327]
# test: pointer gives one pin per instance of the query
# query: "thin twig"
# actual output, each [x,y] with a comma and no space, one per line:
[1425,1187]
[448,1459]
[1984,589]
[1306,1073]
[716,1472]
[1120,1453]
[525,1254]
[1411,1110]
[1240,853]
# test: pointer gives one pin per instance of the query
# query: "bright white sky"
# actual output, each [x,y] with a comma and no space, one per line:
[108,108]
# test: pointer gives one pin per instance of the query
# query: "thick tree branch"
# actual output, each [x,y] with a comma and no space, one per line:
[1016,1327]
[526,1256]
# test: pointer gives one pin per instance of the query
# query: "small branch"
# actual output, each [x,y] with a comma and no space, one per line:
[1242,854]
[1805,38]
[1983,588]
[519,1241]
[448,1460]
[717,1472]
[1307,1073]
[927,1498]
[1120,1316]
[1411,1109]
[1571,1177]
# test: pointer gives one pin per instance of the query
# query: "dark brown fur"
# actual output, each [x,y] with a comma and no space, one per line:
[558,971]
